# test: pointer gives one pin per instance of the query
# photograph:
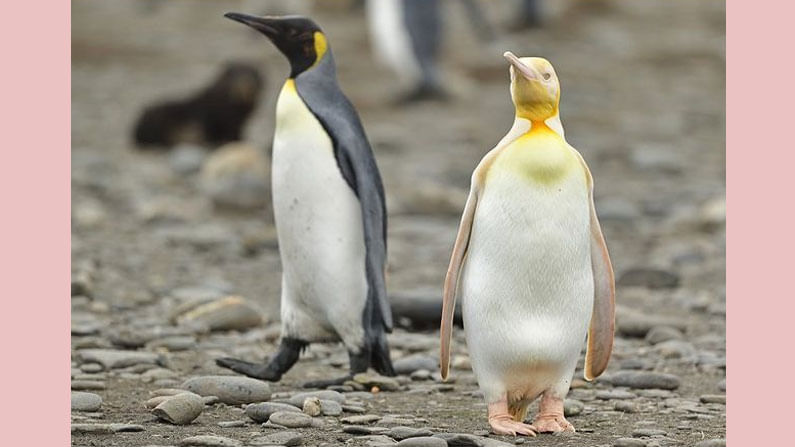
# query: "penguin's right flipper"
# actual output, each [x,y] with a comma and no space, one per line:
[603,318]
[453,272]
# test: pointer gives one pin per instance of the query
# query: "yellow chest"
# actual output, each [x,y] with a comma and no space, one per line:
[539,157]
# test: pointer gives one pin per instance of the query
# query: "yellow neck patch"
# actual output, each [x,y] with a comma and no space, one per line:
[539,156]
[321,45]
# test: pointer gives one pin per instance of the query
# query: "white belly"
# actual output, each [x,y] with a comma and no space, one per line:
[527,285]
[319,225]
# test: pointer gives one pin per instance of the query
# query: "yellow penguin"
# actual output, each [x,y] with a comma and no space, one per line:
[531,265]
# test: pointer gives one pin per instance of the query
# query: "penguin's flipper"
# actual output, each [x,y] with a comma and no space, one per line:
[600,333]
[451,280]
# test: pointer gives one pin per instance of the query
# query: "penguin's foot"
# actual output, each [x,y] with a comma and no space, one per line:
[502,423]
[550,415]
[255,370]
[327,382]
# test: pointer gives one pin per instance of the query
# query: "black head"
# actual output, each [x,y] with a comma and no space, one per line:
[298,38]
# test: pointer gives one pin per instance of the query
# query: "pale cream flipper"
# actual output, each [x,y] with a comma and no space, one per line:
[531,265]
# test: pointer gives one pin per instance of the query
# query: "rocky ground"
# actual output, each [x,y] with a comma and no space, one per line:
[166,279]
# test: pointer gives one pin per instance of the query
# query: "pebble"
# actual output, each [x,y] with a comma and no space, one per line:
[330,408]
[180,409]
[88,385]
[629,442]
[625,406]
[711,443]
[675,349]
[91,368]
[414,362]
[652,278]
[372,441]
[113,358]
[421,375]
[615,395]
[228,313]
[572,407]
[312,406]
[465,439]
[232,390]
[85,401]
[423,441]
[285,438]
[659,334]
[232,424]
[236,175]
[174,343]
[209,441]
[401,432]
[364,430]
[375,380]
[186,158]
[106,428]
[648,432]
[291,419]
[713,399]
[353,409]
[643,379]
[360,419]
[297,400]
[393,420]
[261,412]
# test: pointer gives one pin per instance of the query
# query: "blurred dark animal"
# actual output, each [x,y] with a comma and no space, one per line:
[211,117]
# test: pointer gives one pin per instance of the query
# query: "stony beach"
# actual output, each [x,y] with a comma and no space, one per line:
[169,273]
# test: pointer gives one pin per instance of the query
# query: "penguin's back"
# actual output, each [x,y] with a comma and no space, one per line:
[527,285]
[320,231]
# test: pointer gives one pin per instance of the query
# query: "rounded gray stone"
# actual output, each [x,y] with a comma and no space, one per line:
[402,432]
[233,390]
[330,408]
[209,441]
[423,441]
[180,409]
[291,419]
[298,399]
[629,442]
[643,380]
[285,438]
[85,401]
[572,407]
[262,411]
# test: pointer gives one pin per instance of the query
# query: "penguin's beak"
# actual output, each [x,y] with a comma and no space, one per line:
[268,26]
[527,71]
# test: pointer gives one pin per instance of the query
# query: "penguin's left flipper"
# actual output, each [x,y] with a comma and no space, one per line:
[601,331]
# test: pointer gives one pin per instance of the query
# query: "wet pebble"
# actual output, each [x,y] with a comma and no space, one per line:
[644,379]
[232,390]
[284,438]
[85,401]
[291,419]
[180,409]
[209,441]
[261,412]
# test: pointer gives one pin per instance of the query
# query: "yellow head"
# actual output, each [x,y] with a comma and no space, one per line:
[535,89]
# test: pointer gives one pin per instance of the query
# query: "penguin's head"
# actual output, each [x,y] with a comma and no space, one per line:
[535,89]
[298,38]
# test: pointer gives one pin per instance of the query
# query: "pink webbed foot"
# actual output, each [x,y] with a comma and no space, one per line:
[550,416]
[503,424]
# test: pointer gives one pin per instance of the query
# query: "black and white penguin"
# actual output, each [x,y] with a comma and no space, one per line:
[329,208]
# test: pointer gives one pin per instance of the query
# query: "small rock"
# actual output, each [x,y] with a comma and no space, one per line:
[364,430]
[312,406]
[643,379]
[392,421]
[353,409]
[297,400]
[360,419]
[625,406]
[175,343]
[285,438]
[372,441]
[234,390]
[375,380]
[711,443]
[653,158]
[88,385]
[401,432]
[615,395]
[423,441]
[629,442]
[330,408]
[113,358]
[652,278]
[659,334]
[467,440]
[261,412]
[414,362]
[106,428]
[572,407]
[180,409]
[229,313]
[232,424]
[209,441]
[421,375]
[237,176]
[186,158]
[675,349]
[713,399]
[291,419]
[647,432]
[85,401]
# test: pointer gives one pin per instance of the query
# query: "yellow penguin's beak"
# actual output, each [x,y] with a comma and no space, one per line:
[527,71]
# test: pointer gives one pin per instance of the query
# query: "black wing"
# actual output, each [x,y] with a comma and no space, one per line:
[319,90]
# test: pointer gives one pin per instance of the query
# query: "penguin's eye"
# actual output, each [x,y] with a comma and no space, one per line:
[547,75]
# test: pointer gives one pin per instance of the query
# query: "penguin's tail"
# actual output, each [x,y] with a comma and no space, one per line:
[380,360]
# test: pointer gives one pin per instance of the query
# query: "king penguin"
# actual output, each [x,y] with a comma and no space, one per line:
[531,265]
[329,209]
